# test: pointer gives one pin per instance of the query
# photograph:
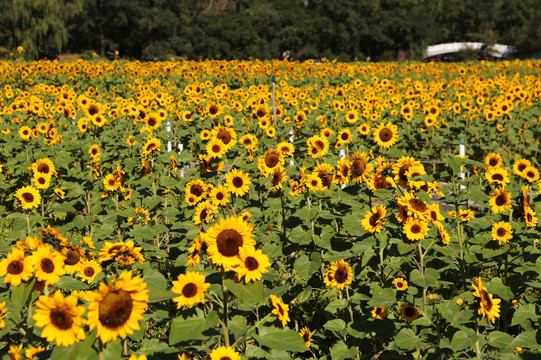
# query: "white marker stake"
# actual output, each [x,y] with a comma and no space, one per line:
[169,148]
[462,153]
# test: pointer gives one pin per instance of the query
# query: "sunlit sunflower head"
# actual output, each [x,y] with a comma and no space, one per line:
[379,312]
[252,265]
[306,335]
[318,146]
[225,239]
[110,183]
[498,176]
[191,288]
[28,197]
[94,151]
[434,215]
[16,267]
[478,286]
[529,217]
[520,165]
[502,232]
[151,146]
[465,215]
[280,309]
[220,195]
[204,212]
[344,137]
[195,190]
[373,220]
[401,167]
[238,182]
[249,141]
[339,274]
[48,263]
[117,308]
[215,148]
[412,174]
[364,129]
[414,206]
[360,167]
[226,135]
[494,160]
[25,132]
[195,250]
[270,161]
[60,318]
[88,270]
[400,284]
[386,135]
[488,306]
[224,353]
[73,255]
[409,312]
[500,200]
[530,173]
[314,183]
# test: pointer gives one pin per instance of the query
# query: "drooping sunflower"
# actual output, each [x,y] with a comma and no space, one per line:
[444,235]
[386,135]
[73,255]
[360,167]
[277,179]
[3,311]
[252,265]
[224,353]
[151,146]
[124,252]
[400,284]
[195,250]
[339,274]
[238,182]
[28,197]
[498,176]
[226,135]
[16,267]
[379,312]
[204,212]
[502,232]
[373,220]
[434,214]
[409,312]
[378,181]
[191,288]
[88,270]
[280,309]
[60,318]
[489,306]
[342,171]
[225,239]
[306,335]
[529,216]
[500,200]
[48,263]
[118,307]
[286,148]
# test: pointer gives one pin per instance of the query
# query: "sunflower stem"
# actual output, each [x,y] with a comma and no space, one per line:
[283,213]
[100,350]
[422,269]
[242,339]
[29,228]
[224,321]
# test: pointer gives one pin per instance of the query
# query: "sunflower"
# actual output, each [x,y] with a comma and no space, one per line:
[286,148]
[48,263]
[32,352]
[151,146]
[226,135]
[41,181]
[314,183]
[216,149]
[502,232]
[124,252]
[14,351]
[280,309]
[16,267]
[444,235]
[28,197]
[118,307]
[414,206]
[204,212]
[529,216]
[339,274]
[238,182]
[3,311]
[225,239]
[44,166]
[379,312]
[401,167]
[88,270]
[400,284]
[520,165]
[500,200]
[413,172]
[530,173]
[318,146]
[110,183]
[25,132]
[489,307]
[465,215]
[249,141]
[359,167]
[195,190]
[344,137]
[191,288]
[409,312]
[306,335]
[434,215]
[498,176]
[224,353]
[269,162]
[195,250]
[494,160]
[94,151]
[373,220]
[60,318]
[386,136]
[73,255]
[220,195]
[252,265]
[364,128]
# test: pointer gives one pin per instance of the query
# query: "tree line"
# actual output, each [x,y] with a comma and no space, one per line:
[346,30]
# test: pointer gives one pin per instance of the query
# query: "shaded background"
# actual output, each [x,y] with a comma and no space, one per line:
[345,30]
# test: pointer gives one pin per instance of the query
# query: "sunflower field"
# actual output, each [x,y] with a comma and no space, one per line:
[269,210]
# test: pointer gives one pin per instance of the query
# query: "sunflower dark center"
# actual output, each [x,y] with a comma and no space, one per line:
[410,311]
[89,271]
[61,318]
[521,167]
[41,180]
[251,263]
[47,265]
[224,136]
[72,257]
[220,196]
[203,215]
[345,136]
[529,217]
[152,121]
[341,275]
[115,308]
[485,299]
[306,336]
[501,200]
[28,197]
[189,290]
[237,182]
[530,174]
[418,205]
[501,232]
[319,144]
[196,190]
[228,242]
[379,310]
[374,219]
[497,177]
[216,148]
[15,267]
[415,229]
[280,310]
[493,162]
[271,160]
[260,113]
[385,134]
[213,110]
[93,110]
[358,167]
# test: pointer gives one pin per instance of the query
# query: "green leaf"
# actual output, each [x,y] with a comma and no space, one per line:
[429,277]
[383,297]
[191,328]
[499,340]
[82,350]
[406,339]
[68,282]
[300,236]
[336,305]
[305,267]
[251,292]
[524,313]
[151,346]
[526,339]
[463,339]
[19,294]
[496,287]
[340,351]
[158,289]
[335,325]
[286,340]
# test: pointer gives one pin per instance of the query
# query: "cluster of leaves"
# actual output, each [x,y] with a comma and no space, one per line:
[492,106]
